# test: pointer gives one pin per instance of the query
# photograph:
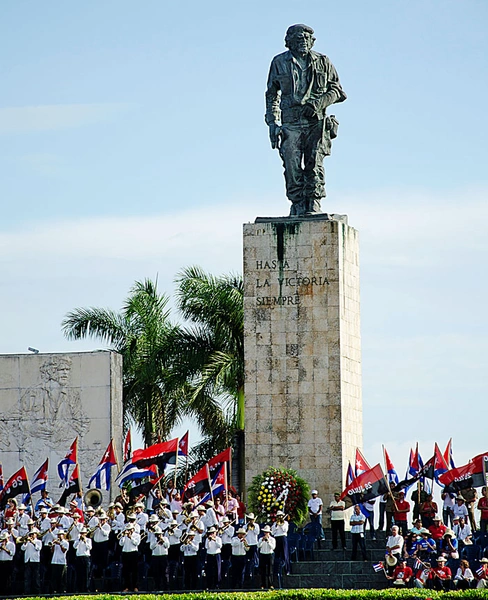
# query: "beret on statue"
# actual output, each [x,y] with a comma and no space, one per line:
[299,27]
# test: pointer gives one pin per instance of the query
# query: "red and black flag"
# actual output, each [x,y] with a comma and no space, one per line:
[138,492]
[158,454]
[17,484]
[472,474]
[368,485]
[74,486]
[199,484]
[424,472]
[216,462]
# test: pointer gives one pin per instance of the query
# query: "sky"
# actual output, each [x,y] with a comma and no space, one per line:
[133,144]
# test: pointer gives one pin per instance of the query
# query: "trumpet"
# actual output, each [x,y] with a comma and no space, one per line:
[246,545]
[127,532]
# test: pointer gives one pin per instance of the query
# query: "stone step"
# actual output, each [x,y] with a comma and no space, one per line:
[327,568]
[337,581]
[374,554]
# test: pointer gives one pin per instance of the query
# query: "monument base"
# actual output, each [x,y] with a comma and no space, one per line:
[302,347]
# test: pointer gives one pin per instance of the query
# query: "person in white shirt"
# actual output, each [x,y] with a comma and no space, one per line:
[190,561]
[266,545]
[462,531]
[130,541]
[252,535]
[226,533]
[394,545]
[357,521]
[464,576]
[58,563]
[32,556]
[279,529]
[459,509]
[7,552]
[159,546]
[82,546]
[336,510]
[100,547]
[213,546]
[315,506]
[210,516]
[239,550]
[173,533]
[141,517]
[22,520]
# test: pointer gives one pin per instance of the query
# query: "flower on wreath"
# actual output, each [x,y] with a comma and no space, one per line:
[279,489]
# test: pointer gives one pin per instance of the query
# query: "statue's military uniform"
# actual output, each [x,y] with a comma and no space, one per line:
[304,140]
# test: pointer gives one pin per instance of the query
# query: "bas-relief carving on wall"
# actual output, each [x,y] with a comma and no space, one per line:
[48,418]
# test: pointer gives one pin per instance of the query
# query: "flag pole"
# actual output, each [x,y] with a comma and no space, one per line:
[176,462]
[187,453]
[30,494]
[115,453]
[209,482]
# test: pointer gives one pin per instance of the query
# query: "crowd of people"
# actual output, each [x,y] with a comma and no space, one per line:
[157,542]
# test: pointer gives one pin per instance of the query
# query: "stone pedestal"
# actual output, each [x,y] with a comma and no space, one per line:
[302,348]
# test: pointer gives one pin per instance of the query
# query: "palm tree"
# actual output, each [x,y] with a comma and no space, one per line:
[212,355]
[144,335]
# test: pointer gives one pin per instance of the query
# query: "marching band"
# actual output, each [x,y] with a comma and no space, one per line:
[68,550]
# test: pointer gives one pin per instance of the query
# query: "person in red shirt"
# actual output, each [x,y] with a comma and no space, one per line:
[241,509]
[441,576]
[437,531]
[483,507]
[402,574]
[402,508]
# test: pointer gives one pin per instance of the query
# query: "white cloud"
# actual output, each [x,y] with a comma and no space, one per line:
[29,119]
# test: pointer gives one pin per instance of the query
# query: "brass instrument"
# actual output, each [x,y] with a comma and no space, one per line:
[246,545]
[250,526]
[91,532]
[93,498]
[127,532]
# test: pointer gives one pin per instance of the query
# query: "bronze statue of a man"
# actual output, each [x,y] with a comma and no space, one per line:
[301,85]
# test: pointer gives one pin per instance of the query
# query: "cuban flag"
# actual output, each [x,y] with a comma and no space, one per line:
[390,469]
[64,466]
[131,472]
[448,455]
[349,475]
[1,478]
[219,484]
[440,465]
[361,464]
[413,463]
[100,480]
[182,448]
[39,481]
[378,567]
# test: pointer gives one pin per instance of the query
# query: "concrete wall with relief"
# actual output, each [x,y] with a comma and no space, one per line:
[302,348]
[46,400]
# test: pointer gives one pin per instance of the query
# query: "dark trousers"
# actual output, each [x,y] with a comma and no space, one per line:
[214,562]
[358,540]
[32,578]
[338,530]
[82,566]
[6,568]
[159,567]
[129,569]
[238,571]
[99,556]
[266,570]
[191,572]
[381,524]
[403,527]
[58,578]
